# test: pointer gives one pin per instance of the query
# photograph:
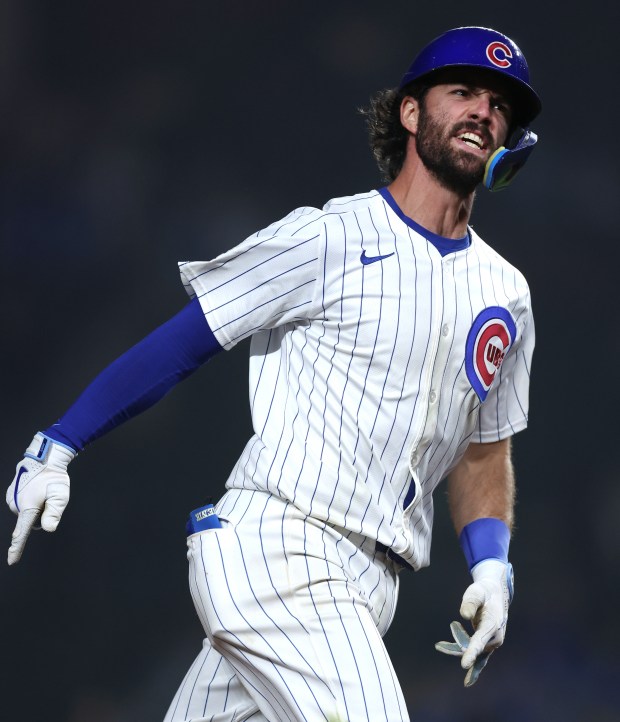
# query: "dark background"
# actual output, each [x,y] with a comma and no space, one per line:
[136,134]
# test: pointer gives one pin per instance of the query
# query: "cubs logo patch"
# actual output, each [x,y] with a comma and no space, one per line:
[489,339]
[498,54]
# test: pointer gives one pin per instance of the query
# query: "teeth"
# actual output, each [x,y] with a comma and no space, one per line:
[472,139]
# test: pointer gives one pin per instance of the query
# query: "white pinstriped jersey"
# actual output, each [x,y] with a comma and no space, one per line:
[379,351]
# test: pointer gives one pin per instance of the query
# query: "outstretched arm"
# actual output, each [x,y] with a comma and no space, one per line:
[139,378]
[130,385]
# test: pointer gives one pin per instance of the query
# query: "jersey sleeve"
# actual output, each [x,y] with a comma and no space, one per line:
[270,279]
[505,409]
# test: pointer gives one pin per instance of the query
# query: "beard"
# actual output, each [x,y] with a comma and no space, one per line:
[456,170]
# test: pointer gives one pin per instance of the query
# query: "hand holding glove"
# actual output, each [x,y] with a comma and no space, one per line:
[485,603]
[39,491]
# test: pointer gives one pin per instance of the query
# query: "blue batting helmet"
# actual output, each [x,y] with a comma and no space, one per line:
[475,47]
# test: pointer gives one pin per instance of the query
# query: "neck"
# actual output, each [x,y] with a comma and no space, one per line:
[421,197]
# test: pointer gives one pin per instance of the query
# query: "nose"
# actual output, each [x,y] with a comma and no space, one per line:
[480,108]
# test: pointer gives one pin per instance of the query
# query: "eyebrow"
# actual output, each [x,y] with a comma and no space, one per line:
[496,94]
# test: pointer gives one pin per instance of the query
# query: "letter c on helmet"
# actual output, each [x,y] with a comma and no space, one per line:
[498,53]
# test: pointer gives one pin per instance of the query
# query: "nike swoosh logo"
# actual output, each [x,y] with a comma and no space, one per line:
[23,470]
[373,259]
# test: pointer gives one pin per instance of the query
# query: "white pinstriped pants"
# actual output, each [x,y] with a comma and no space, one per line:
[293,613]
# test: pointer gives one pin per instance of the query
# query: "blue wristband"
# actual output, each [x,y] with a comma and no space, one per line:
[486,538]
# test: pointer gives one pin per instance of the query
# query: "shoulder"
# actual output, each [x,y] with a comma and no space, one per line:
[308,221]
[299,222]
[351,204]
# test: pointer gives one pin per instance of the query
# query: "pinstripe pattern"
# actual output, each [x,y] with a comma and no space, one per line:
[363,398]
[360,398]
[297,609]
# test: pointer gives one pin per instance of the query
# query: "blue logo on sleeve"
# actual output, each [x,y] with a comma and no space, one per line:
[489,339]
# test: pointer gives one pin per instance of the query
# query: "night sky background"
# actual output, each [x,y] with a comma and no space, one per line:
[136,134]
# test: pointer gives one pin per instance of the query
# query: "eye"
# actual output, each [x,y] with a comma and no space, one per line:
[501,106]
[461,92]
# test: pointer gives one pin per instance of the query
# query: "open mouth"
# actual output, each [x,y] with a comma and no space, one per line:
[473,140]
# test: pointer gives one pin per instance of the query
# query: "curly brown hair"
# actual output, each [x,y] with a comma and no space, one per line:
[388,138]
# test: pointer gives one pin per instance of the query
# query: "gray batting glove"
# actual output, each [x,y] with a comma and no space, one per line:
[40,490]
[485,603]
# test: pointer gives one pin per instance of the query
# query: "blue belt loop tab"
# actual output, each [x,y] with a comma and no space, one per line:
[485,538]
[202,518]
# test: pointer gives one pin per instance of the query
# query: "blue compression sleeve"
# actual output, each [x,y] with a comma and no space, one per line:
[139,378]
[485,538]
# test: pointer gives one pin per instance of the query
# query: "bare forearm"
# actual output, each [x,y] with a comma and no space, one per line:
[483,485]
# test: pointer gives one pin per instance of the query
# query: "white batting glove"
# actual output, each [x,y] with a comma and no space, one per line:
[40,490]
[485,603]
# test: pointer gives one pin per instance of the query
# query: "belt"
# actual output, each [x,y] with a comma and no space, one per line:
[393,556]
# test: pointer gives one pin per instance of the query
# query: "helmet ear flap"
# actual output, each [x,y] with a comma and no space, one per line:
[508,160]
[515,136]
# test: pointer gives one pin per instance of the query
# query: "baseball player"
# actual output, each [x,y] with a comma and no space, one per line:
[391,349]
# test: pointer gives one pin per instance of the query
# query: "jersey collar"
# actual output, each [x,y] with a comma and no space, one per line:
[442,244]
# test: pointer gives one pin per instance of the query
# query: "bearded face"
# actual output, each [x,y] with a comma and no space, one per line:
[457,169]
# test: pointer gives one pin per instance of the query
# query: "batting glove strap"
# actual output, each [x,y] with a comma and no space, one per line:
[49,452]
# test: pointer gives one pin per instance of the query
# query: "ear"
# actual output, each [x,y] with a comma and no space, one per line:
[409,114]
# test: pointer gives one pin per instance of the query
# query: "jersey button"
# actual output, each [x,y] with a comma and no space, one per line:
[445,330]
[432,397]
